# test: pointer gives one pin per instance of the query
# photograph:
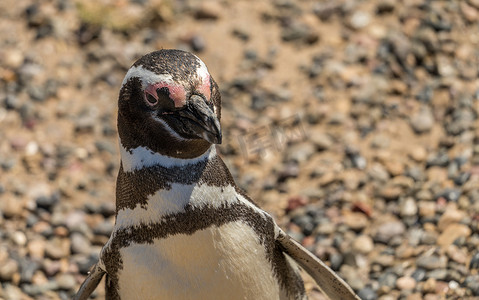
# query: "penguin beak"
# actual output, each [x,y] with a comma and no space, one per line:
[201,120]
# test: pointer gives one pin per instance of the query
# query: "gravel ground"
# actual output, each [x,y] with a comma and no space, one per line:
[355,123]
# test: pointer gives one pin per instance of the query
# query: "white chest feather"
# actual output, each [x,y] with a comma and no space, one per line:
[225,262]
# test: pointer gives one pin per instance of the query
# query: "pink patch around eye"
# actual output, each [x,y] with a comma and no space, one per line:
[205,87]
[177,93]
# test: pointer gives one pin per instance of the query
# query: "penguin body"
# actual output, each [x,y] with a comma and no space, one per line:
[194,237]
[183,229]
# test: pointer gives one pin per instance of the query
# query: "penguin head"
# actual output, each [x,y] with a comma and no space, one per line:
[170,104]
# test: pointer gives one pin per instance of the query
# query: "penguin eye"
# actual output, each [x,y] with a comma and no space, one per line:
[159,96]
[151,100]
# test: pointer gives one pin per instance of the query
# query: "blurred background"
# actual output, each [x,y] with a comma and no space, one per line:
[354,123]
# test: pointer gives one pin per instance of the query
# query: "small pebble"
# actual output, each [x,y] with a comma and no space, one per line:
[19,238]
[422,121]
[57,248]
[419,274]
[356,221]
[472,282]
[65,281]
[8,269]
[474,263]
[367,293]
[387,279]
[431,262]
[360,19]
[79,244]
[409,207]
[406,283]
[208,10]
[388,230]
[452,232]
[363,244]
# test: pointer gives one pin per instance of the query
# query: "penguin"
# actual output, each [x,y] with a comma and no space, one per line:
[183,228]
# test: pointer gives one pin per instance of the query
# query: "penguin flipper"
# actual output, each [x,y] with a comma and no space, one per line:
[91,282]
[328,281]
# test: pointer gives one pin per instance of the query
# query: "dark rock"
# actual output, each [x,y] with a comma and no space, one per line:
[357,160]
[79,244]
[325,10]
[85,263]
[367,293]
[31,11]
[241,34]
[244,83]
[438,274]
[88,32]
[104,228]
[85,121]
[474,263]
[462,120]
[259,100]
[349,258]
[450,194]
[91,208]
[455,275]
[419,274]
[387,279]
[37,93]
[472,283]
[197,43]
[51,267]
[27,269]
[290,170]
[299,32]
[440,159]
[7,163]
[208,10]
[47,202]
[460,241]
[300,152]
[105,145]
[336,260]
[431,262]
[385,6]
[11,102]
[108,130]
[438,21]
[425,94]
[429,238]
[108,209]
[305,222]
[37,291]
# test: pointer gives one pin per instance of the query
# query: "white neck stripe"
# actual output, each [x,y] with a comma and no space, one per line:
[141,157]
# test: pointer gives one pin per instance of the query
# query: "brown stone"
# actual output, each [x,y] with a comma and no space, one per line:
[452,232]
[355,221]
[470,13]
[451,215]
